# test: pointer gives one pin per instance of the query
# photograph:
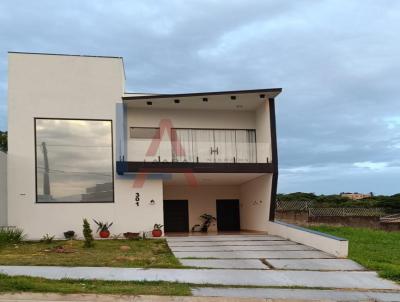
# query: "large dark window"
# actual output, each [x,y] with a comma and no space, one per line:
[74,160]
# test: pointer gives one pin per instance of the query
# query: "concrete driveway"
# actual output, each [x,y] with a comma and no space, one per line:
[254,252]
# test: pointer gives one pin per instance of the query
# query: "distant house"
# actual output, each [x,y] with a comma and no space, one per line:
[356,195]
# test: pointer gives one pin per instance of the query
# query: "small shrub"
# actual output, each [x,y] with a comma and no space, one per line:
[88,234]
[11,235]
[47,239]
[69,235]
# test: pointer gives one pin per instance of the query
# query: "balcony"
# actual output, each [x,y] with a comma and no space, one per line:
[200,150]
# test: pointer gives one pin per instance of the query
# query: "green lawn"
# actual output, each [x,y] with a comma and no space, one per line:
[41,285]
[141,253]
[376,250]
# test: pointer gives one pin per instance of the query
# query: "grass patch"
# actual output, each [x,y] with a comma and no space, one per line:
[141,253]
[375,249]
[15,284]
[66,286]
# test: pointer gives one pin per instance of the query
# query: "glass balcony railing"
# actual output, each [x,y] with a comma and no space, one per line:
[201,146]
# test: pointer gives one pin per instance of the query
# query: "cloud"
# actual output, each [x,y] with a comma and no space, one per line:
[371,165]
[337,62]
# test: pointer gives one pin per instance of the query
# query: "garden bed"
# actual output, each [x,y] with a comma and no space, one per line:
[114,253]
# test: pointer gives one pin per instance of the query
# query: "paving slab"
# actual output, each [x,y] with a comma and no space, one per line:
[254,254]
[222,238]
[225,263]
[316,264]
[236,277]
[301,294]
[231,243]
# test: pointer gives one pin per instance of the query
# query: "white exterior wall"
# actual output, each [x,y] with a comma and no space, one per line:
[3,189]
[255,198]
[201,199]
[67,87]
[263,133]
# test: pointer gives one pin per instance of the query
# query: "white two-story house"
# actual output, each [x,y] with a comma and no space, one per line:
[80,146]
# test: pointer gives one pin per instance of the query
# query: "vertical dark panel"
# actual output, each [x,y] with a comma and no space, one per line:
[176,216]
[274,147]
[228,215]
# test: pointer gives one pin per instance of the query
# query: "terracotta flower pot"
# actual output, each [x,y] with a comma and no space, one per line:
[156,233]
[104,234]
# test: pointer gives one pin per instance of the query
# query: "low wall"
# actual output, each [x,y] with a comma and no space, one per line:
[292,216]
[330,244]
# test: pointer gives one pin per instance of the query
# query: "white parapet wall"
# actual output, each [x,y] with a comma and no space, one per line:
[3,189]
[330,244]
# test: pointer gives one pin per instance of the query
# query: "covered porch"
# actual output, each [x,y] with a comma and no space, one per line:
[240,202]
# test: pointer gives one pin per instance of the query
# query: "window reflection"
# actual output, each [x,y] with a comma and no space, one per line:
[74,161]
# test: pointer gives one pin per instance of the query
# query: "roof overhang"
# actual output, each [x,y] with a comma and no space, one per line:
[217,100]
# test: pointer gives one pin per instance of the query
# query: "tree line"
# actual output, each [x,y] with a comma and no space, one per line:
[3,141]
[390,202]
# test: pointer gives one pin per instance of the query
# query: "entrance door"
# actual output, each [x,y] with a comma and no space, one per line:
[228,216]
[176,216]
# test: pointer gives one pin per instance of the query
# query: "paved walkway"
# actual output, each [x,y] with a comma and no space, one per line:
[237,277]
[304,294]
[34,297]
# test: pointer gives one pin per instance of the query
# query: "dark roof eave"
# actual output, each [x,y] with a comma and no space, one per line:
[160,96]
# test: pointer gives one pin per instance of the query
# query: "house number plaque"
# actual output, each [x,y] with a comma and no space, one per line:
[137,198]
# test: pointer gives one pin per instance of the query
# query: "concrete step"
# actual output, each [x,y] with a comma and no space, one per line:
[255,255]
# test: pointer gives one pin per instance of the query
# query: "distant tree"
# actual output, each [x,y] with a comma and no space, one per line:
[297,196]
[3,141]
[390,203]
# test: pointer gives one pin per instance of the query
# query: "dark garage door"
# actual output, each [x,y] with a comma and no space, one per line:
[228,217]
[176,216]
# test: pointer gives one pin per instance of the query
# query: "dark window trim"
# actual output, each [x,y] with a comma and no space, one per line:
[274,186]
[112,159]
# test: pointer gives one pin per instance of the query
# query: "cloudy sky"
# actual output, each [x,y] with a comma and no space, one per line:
[337,61]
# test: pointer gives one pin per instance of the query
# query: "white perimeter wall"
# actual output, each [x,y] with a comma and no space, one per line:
[255,197]
[67,87]
[201,199]
[3,189]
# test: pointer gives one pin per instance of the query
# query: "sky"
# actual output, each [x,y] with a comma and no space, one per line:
[338,62]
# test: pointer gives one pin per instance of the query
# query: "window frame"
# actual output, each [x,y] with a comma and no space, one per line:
[147,138]
[112,159]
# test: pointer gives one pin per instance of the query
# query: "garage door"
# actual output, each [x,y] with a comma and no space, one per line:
[176,216]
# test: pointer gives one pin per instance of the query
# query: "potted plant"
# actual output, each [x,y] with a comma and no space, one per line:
[157,232]
[103,228]
[207,220]
[69,235]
